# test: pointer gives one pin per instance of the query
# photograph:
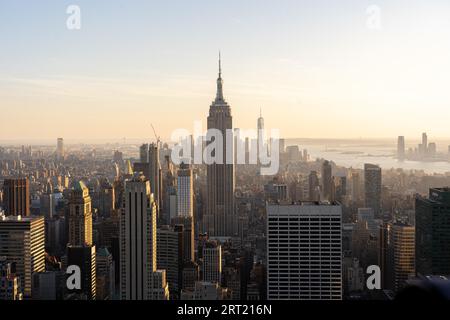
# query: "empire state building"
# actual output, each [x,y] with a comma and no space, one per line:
[220,218]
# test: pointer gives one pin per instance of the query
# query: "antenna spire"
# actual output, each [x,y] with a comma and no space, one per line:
[220,65]
[219,95]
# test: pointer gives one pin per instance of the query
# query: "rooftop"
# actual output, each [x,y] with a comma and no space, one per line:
[304,203]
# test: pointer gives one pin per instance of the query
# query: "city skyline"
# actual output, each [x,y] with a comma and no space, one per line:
[306,87]
[178,152]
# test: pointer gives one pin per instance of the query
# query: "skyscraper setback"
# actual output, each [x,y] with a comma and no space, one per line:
[80,216]
[137,240]
[220,176]
[139,277]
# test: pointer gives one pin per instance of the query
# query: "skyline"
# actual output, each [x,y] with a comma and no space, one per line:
[316,71]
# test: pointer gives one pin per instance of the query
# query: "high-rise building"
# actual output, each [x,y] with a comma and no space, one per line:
[220,176]
[106,199]
[356,186]
[190,275]
[143,153]
[401,148]
[212,262]
[314,191]
[80,215]
[155,172]
[17,196]
[187,224]
[106,269]
[138,242]
[22,242]
[169,256]
[304,251]
[424,145]
[49,285]
[260,142]
[185,191]
[84,256]
[433,233]
[402,254]
[60,148]
[327,181]
[372,188]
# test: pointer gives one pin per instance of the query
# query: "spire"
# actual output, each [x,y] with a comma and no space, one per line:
[220,66]
[219,95]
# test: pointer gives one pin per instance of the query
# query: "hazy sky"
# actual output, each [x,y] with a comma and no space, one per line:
[316,68]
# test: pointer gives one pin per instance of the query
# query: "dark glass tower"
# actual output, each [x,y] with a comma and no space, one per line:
[433,233]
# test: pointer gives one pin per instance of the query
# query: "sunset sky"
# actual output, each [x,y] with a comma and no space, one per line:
[316,68]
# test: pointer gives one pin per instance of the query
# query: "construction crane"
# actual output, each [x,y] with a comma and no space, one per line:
[158,138]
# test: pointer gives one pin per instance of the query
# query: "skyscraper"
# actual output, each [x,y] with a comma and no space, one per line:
[106,199]
[212,262]
[138,246]
[356,186]
[260,142]
[143,153]
[402,254]
[187,224]
[433,233]
[424,145]
[327,181]
[84,256]
[60,149]
[106,269]
[314,191]
[185,188]
[17,196]
[22,241]
[169,256]
[155,172]
[80,216]
[220,177]
[401,148]
[372,188]
[304,251]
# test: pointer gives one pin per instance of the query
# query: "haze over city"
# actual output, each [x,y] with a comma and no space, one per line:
[245,154]
[316,70]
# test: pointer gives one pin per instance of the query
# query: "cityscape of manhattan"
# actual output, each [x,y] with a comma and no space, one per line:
[226,157]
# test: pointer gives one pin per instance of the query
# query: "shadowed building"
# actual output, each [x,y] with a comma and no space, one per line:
[17,196]
[220,176]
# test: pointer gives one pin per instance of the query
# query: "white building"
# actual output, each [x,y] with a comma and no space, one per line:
[185,185]
[212,262]
[304,251]
[137,240]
